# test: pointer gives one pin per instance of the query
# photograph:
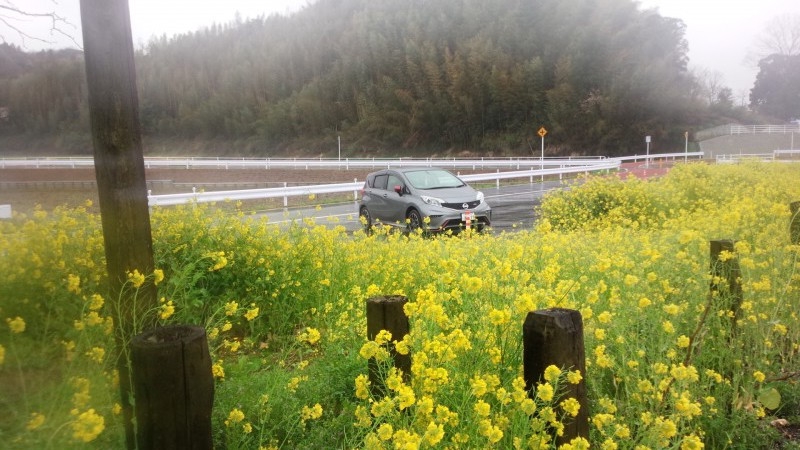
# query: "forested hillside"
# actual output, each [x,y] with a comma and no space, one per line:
[390,76]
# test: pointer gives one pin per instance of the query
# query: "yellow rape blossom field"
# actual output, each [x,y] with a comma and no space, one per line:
[668,364]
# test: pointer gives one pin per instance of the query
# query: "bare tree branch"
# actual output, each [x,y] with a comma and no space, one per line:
[14,20]
[781,36]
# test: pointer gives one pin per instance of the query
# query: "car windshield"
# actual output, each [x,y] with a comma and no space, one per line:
[433,179]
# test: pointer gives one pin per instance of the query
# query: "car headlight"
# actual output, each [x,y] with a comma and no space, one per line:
[432,200]
[479,196]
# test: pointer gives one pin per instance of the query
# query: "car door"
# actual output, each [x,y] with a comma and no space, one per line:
[377,197]
[396,204]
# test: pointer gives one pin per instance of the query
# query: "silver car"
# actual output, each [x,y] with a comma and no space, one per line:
[432,199]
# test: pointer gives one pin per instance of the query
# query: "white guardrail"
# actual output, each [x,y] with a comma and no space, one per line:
[776,155]
[523,167]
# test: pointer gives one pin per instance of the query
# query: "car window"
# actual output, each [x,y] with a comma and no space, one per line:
[380,181]
[433,179]
[394,180]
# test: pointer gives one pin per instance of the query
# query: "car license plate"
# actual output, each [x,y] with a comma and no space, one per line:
[468,216]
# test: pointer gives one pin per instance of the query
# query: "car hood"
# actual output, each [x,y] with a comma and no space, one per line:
[451,195]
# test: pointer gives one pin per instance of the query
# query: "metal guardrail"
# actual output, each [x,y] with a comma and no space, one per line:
[777,155]
[355,186]
[316,163]
[731,129]
[562,167]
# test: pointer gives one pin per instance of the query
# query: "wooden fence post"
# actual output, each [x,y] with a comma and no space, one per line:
[555,337]
[794,223]
[173,388]
[726,269]
[386,313]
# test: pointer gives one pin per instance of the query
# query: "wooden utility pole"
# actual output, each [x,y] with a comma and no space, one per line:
[119,168]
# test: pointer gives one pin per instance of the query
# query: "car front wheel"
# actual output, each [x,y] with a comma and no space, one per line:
[414,220]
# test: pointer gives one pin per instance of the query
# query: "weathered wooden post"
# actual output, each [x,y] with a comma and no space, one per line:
[555,337]
[726,277]
[386,313]
[119,170]
[794,223]
[174,388]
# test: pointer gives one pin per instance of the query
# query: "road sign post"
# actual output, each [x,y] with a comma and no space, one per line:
[647,161]
[542,131]
[686,146]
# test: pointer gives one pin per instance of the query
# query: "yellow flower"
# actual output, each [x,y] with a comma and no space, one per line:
[292,385]
[492,432]
[310,413]
[247,428]
[571,406]
[96,302]
[96,354]
[36,420]
[551,373]
[383,337]
[220,261]
[683,341]
[235,416]
[166,310]
[116,409]
[17,324]
[251,314]
[578,443]
[383,407]
[433,434]
[574,377]
[310,335]
[385,431]
[692,442]
[759,376]
[217,370]
[158,276]
[482,408]
[2,354]
[666,428]
[363,419]
[362,387]
[479,386]
[87,426]
[74,284]
[136,278]
[499,316]
[545,392]
[93,319]
[227,326]
[405,397]
[231,308]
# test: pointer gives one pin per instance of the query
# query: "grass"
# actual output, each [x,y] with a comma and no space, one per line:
[284,311]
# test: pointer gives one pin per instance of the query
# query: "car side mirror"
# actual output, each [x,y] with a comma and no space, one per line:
[399,190]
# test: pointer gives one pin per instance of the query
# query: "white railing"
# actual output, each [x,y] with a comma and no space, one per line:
[315,163]
[515,163]
[777,155]
[292,191]
[753,129]
[522,168]
[730,129]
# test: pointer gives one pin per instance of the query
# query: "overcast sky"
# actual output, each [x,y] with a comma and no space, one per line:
[720,32]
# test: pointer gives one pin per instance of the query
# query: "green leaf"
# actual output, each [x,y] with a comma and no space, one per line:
[770,398]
